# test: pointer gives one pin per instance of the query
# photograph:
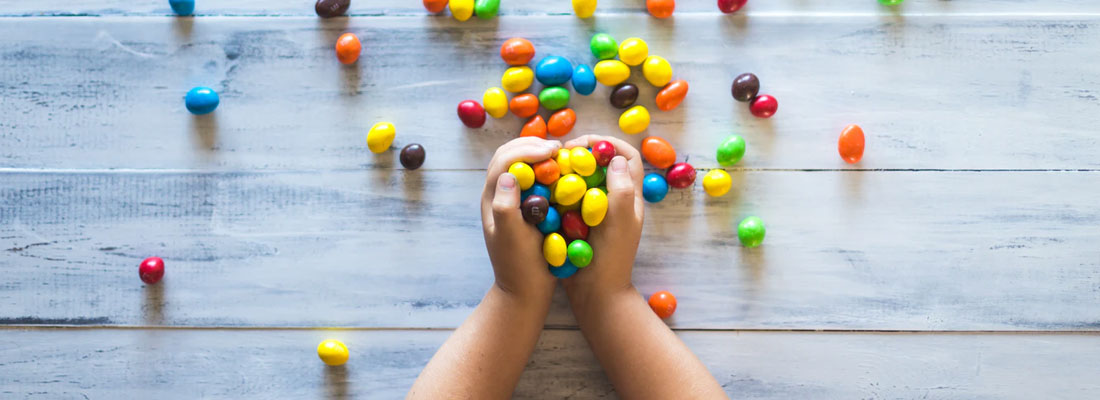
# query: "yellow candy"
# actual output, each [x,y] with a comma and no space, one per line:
[716,182]
[380,137]
[517,79]
[594,206]
[525,175]
[554,249]
[462,9]
[495,102]
[332,352]
[569,189]
[563,163]
[584,8]
[634,120]
[633,51]
[582,161]
[553,188]
[657,71]
[611,72]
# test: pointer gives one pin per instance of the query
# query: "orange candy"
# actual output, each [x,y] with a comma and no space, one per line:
[660,8]
[663,303]
[547,172]
[524,105]
[517,51]
[850,145]
[672,94]
[534,127]
[658,152]
[435,6]
[561,122]
[348,48]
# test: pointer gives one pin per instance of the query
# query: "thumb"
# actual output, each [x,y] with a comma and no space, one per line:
[506,201]
[620,188]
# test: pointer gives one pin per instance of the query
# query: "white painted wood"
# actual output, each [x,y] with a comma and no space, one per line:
[931,92]
[171,364]
[382,248]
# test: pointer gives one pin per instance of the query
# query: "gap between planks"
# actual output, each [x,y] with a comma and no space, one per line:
[546,328]
[74,171]
[684,14]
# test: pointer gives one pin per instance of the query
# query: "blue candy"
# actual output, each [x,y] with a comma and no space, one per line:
[182,7]
[654,187]
[201,100]
[551,223]
[564,271]
[584,80]
[553,70]
[538,189]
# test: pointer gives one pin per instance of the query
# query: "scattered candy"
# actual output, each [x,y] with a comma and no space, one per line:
[635,120]
[561,122]
[348,48]
[573,226]
[201,100]
[182,7]
[534,209]
[850,145]
[330,8]
[551,223]
[633,51]
[563,161]
[412,156]
[672,94]
[462,9]
[495,101]
[536,189]
[657,71]
[654,187]
[660,8]
[546,172]
[582,161]
[569,189]
[611,72]
[554,97]
[658,152]
[751,231]
[579,253]
[745,87]
[525,175]
[535,126]
[524,105]
[584,8]
[151,270]
[486,9]
[584,80]
[554,249]
[471,113]
[603,46]
[435,6]
[764,106]
[603,151]
[717,182]
[593,207]
[624,95]
[729,6]
[597,178]
[333,352]
[517,79]
[380,137]
[553,70]
[517,51]
[663,304]
[731,150]
[565,270]
[681,175]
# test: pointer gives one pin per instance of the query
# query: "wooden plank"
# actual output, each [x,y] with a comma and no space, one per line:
[382,248]
[931,92]
[188,364]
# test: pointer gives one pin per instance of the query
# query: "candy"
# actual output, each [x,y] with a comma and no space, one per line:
[486,9]
[658,152]
[663,304]
[536,189]
[546,171]
[462,9]
[635,120]
[657,71]
[517,79]
[517,51]
[435,6]
[717,182]
[751,231]
[731,150]
[624,95]
[561,122]
[672,94]
[524,105]
[582,161]
[850,145]
[331,8]
[764,106]
[471,113]
[554,249]
[660,9]
[603,151]
[567,269]
[584,80]
[554,97]
[745,87]
[534,209]
[603,46]
[182,7]
[597,178]
[151,270]
[553,70]
[593,207]
[563,161]
[348,48]
[551,223]
[579,253]
[495,101]
[333,352]
[584,8]
[729,6]
[201,100]
[535,126]
[525,175]
[633,51]
[412,156]
[654,187]
[681,175]
[569,189]
[573,226]
[890,2]
[380,137]
[611,72]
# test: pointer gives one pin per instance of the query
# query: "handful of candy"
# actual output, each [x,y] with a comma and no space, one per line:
[565,196]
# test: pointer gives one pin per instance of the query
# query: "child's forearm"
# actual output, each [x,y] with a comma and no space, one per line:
[485,356]
[640,354]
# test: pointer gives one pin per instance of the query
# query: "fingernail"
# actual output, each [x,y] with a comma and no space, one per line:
[507,182]
[553,145]
[618,164]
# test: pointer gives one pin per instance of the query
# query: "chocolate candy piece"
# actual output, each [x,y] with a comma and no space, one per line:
[745,87]
[534,209]
[412,156]
[624,95]
[331,8]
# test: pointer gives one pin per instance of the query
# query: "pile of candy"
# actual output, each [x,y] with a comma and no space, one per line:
[464,9]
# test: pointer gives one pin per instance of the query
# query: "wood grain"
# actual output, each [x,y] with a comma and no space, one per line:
[932,93]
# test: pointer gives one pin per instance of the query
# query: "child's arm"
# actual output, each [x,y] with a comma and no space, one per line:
[639,353]
[485,356]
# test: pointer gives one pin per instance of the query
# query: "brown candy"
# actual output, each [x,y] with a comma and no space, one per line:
[331,8]
[412,156]
[534,208]
[745,87]
[624,95]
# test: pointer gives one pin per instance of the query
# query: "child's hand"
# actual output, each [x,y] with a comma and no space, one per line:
[615,240]
[515,246]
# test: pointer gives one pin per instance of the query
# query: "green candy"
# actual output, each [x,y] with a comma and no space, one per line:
[554,97]
[890,2]
[731,150]
[487,9]
[750,231]
[579,253]
[603,46]
[597,178]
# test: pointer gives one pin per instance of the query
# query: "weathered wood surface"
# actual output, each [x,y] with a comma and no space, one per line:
[169,364]
[383,248]
[932,93]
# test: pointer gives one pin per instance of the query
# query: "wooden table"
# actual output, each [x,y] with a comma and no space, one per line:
[959,259]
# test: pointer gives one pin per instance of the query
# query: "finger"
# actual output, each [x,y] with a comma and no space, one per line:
[505,202]
[621,192]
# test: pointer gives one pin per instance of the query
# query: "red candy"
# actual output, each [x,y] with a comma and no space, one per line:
[663,304]
[604,151]
[573,226]
[681,175]
[764,106]
[151,270]
[435,6]
[471,113]
[729,6]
